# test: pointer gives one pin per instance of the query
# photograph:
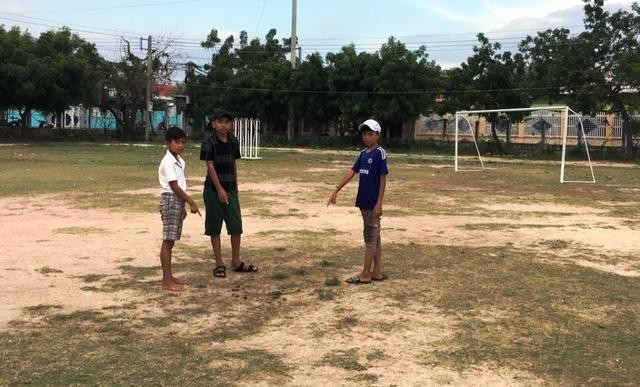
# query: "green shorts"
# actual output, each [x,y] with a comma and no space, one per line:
[217,212]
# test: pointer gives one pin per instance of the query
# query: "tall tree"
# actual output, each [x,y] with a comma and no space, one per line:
[394,84]
[250,79]
[124,85]
[593,71]
[67,72]
[51,73]
[18,90]
[312,102]
[495,80]
[407,81]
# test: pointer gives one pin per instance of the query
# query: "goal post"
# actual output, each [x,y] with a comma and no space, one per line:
[475,143]
[463,118]
[564,148]
[247,131]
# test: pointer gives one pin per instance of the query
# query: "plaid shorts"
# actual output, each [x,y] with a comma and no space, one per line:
[172,212]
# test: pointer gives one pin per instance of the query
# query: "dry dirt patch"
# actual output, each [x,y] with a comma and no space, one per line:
[46,232]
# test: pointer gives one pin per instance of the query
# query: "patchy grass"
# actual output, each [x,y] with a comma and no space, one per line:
[558,321]
[504,226]
[42,309]
[116,201]
[78,230]
[31,169]
[347,360]
[325,294]
[511,309]
[139,272]
[333,281]
[250,365]
[92,277]
[95,351]
[45,270]
[377,355]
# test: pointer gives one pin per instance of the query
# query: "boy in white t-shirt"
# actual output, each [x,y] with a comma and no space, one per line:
[172,203]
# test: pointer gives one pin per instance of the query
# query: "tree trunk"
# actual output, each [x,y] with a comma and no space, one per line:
[119,123]
[25,117]
[627,133]
[477,131]
[543,141]
[494,134]
[445,124]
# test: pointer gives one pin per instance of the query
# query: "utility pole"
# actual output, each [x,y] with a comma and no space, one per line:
[147,105]
[294,37]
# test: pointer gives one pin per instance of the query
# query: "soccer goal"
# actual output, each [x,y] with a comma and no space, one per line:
[247,131]
[548,124]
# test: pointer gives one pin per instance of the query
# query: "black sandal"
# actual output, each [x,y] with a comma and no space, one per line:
[242,268]
[220,272]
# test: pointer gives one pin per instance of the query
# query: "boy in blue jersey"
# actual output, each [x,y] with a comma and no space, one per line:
[371,165]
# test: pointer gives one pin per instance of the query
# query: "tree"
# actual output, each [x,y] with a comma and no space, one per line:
[51,73]
[489,80]
[124,84]
[352,84]
[311,101]
[616,54]
[596,70]
[252,79]
[17,87]
[394,84]
[66,72]
[407,81]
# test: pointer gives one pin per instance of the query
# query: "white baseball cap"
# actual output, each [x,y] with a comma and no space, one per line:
[371,124]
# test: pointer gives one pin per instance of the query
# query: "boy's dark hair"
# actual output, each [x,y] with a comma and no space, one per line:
[365,128]
[175,133]
[209,126]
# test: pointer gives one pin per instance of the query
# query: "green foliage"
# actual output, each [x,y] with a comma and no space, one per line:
[50,73]
[598,69]
[256,79]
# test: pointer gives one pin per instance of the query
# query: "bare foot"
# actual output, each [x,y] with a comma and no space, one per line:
[179,281]
[172,286]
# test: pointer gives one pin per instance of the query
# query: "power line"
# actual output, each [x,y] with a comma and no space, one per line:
[264,3]
[536,29]
[92,28]
[402,92]
[440,45]
[54,26]
[143,5]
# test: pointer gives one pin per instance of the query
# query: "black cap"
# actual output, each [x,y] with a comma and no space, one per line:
[221,113]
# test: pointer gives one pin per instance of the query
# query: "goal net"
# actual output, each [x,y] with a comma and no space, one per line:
[546,126]
[247,131]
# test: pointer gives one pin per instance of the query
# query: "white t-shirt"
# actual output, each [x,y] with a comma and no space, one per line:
[172,170]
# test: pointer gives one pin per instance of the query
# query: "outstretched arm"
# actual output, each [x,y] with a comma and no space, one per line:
[184,196]
[345,179]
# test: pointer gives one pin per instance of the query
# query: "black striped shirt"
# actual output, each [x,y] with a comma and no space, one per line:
[223,155]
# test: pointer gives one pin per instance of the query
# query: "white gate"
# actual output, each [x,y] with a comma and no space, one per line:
[247,131]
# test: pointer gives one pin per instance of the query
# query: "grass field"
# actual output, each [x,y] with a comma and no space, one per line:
[503,277]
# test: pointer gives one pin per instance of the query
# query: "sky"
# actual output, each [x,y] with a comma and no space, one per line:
[447,27]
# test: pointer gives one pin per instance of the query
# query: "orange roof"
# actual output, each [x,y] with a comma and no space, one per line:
[164,90]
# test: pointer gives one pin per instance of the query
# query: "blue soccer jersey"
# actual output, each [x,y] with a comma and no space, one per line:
[370,165]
